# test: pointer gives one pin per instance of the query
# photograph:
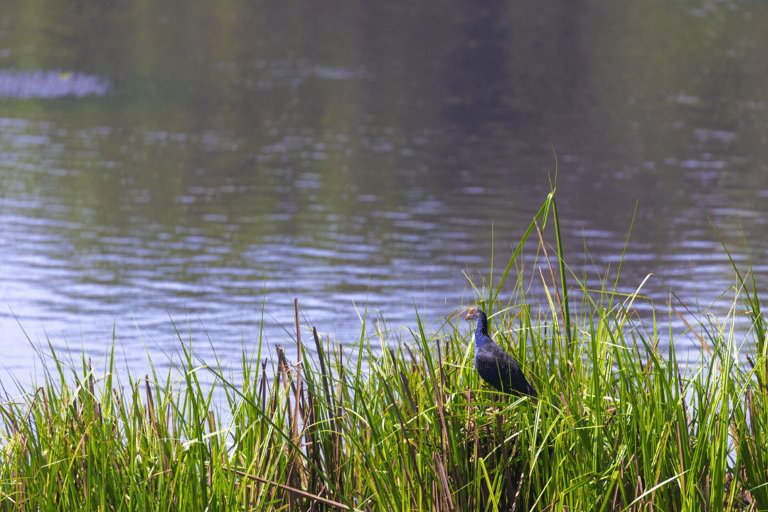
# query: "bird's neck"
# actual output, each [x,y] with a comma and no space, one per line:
[481,332]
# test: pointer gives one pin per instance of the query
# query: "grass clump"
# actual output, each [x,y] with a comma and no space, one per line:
[619,424]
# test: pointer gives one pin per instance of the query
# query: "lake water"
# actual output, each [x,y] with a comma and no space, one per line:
[203,164]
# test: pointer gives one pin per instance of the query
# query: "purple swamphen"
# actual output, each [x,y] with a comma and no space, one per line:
[494,365]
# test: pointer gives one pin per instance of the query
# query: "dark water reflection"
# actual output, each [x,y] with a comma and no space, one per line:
[240,156]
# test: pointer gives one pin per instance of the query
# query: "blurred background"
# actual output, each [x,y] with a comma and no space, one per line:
[203,163]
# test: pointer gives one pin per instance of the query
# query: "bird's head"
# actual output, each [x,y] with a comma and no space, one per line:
[481,329]
[479,315]
[475,314]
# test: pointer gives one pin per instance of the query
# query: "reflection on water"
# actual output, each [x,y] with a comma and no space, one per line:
[369,159]
[50,84]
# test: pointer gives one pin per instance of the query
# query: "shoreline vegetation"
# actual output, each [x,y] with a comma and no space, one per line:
[619,424]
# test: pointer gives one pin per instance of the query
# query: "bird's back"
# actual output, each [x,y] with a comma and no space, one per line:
[501,370]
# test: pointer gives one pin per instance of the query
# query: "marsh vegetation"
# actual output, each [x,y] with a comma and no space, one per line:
[619,423]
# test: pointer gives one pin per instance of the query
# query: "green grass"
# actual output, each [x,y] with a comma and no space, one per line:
[619,425]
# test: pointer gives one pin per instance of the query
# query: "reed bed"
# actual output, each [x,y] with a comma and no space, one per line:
[619,424]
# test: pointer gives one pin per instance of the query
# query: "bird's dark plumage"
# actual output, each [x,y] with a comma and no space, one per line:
[495,366]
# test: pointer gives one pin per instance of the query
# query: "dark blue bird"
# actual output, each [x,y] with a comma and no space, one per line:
[495,366]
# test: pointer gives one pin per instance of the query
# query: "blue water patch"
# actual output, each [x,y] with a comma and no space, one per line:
[51,84]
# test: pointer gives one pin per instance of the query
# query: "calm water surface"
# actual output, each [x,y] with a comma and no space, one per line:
[202,165]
